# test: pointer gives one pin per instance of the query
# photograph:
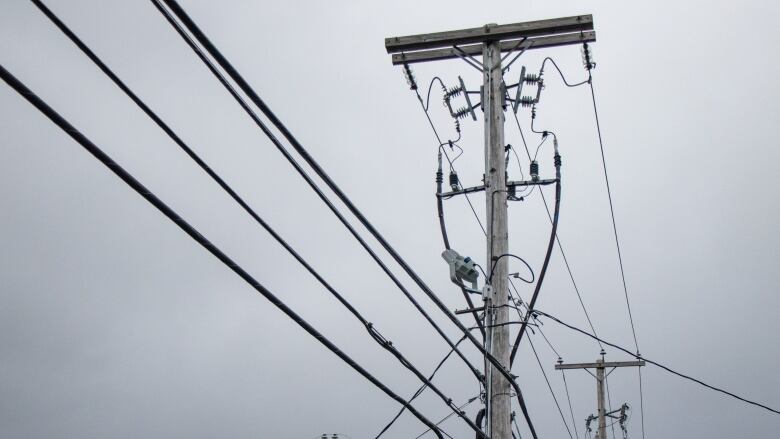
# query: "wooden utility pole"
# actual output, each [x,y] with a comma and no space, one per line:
[601,375]
[490,41]
[497,313]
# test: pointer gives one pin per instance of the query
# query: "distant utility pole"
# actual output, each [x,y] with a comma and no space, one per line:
[601,366]
[490,41]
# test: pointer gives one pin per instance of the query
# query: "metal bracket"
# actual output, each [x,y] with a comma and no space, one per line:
[468,100]
[519,90]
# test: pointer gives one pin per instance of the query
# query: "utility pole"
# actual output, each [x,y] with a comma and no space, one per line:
[500,402]
[600,365]
[490,41]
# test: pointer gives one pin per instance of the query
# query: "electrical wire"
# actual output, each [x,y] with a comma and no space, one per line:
[641,403]
[430,86]
[544,139]
[557,238]
[419,391]
[440,211]
[447,417]
[617,242]
[561,73]
[373,332]
[495,262]
[612,215]
[609,403]
[246,88]
[549,386]
[137,186]
[538,326]
[545,264]
[655,363]
[568,397]
[533,348]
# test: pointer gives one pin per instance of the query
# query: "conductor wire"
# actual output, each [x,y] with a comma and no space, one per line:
[139,188]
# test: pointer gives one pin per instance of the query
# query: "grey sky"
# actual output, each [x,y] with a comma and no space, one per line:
[113,323]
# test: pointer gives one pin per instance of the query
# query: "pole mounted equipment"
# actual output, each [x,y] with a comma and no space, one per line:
[461,269]
[490,41]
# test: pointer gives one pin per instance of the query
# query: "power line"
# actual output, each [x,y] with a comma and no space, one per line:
[305,176]
[373,332]
[550,244]
[419,391]
[609,403]
[557,238]
[568,397]
[561,73]
[666,368]
[617,246]
[137,186]
[549,386]
[612,214]
[246,88]
[541,367]
[447,417]
[641,403]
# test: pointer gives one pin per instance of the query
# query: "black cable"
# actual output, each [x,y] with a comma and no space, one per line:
[612,214]
[194,234]
[447,417]
[557,238]
[617,244]
[544,139]
[373,332]
[609,402]
[568,397]
[241,82]
[549,386]
[481,417]
[443,228]
[430,86]
[466,196]
[639,357]
[561,73]
[308,179]
[516,428]
[420,391]
[538,327]
[541,367]
[495,262]
[641,403]
[546,263]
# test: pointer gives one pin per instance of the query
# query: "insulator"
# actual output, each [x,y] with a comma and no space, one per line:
[534,170]
[454,180]
[532,79]
[457,125]
[461,113]
[587,57]
[527,101]
[557,160]
[452,92]
[533,112]
[409,75]
[511,192]
[439,177]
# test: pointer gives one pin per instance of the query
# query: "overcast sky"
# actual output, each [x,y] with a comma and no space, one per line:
[114,323]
